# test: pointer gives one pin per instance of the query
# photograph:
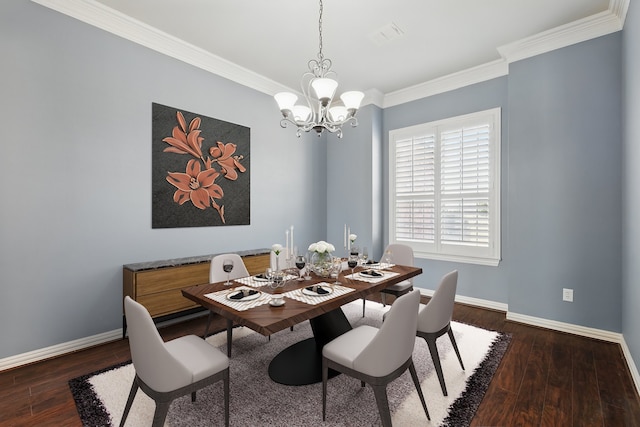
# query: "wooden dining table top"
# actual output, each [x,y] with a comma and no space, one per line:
[266,319]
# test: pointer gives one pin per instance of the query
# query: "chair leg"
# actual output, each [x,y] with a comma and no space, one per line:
[229,336]
[455,347]
[384,299]
[433,349]
[364,301]
[193,396]
[127,407]
[206,330]
[160,414]
[380,392]
[325,377]
[226,398]
[414,375]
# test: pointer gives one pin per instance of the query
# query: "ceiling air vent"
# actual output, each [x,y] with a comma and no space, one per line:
[386,34]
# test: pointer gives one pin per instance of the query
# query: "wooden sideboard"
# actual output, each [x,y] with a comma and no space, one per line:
[157,285]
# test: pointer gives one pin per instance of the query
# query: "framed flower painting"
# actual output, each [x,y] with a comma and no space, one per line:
[201,170]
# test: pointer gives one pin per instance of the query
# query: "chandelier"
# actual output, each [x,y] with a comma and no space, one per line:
[321,110]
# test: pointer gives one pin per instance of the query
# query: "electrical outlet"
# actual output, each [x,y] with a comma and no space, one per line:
[567,294]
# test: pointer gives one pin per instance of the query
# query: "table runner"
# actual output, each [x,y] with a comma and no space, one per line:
[313,300]
[239,305]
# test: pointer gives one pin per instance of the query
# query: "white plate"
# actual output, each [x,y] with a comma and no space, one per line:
[260,279]
[375,264]
[372,277]
[247,298]
[315,294]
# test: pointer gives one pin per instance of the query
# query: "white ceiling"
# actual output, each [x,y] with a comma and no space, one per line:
[275,39]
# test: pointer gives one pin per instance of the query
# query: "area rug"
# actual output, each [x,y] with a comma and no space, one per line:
[257,401]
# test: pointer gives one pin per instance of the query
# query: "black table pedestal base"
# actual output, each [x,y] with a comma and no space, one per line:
[301,363]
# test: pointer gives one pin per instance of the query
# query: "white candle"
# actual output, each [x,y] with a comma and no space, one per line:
[292,245]
[345,236]
[348,238]
[286,239]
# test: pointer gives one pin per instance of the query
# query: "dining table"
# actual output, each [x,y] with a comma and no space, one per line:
[248,302]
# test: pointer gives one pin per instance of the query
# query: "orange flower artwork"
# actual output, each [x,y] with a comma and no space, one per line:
[199,183]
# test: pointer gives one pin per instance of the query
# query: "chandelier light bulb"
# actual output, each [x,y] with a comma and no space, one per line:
[352,99]
[285,100]
[324,88]
[301,113]
[338,113]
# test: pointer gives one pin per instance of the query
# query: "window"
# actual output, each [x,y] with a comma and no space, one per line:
[444,188]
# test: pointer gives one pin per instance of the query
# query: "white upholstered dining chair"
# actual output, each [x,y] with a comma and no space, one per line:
[217,274]
[377,356]
[402,255]
[434,320]
[168,370]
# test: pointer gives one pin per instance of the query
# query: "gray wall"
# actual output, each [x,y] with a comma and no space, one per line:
[565,184]
[631,225]
[75,109]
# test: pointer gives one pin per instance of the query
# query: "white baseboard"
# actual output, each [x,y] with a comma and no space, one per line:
[630,363]
[59,349]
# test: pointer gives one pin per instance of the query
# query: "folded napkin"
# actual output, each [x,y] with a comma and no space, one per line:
[371,273]
[371,262]
[261,276]
[243,293]
[317,289]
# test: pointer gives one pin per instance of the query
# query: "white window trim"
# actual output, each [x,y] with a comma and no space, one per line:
[492,255]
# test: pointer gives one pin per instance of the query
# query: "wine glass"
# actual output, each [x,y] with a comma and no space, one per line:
[365,255]
[227,267]
[352,262]
[301,261]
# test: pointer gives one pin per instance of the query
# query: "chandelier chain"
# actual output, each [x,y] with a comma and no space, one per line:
[320,56]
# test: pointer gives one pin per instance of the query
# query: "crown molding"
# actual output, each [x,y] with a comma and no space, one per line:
[481,73]
[110,20]
[597,25]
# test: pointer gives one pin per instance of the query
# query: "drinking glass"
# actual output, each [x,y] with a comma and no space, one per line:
[352,262]
[307,273]
[365,255]
[227,267]
[387,257]
[336,267]
[301,261]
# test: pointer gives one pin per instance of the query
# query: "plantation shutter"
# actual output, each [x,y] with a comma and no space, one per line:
[464,186]
[415,188]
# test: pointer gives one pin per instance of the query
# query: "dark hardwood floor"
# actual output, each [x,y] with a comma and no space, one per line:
[546,378]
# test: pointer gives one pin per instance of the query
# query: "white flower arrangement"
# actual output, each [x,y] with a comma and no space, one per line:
[352,238]
[276,248]
[322,247]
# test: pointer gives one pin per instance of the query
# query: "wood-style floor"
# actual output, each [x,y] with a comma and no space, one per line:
[546,378]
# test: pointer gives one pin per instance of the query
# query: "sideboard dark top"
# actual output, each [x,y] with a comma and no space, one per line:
[150,265]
